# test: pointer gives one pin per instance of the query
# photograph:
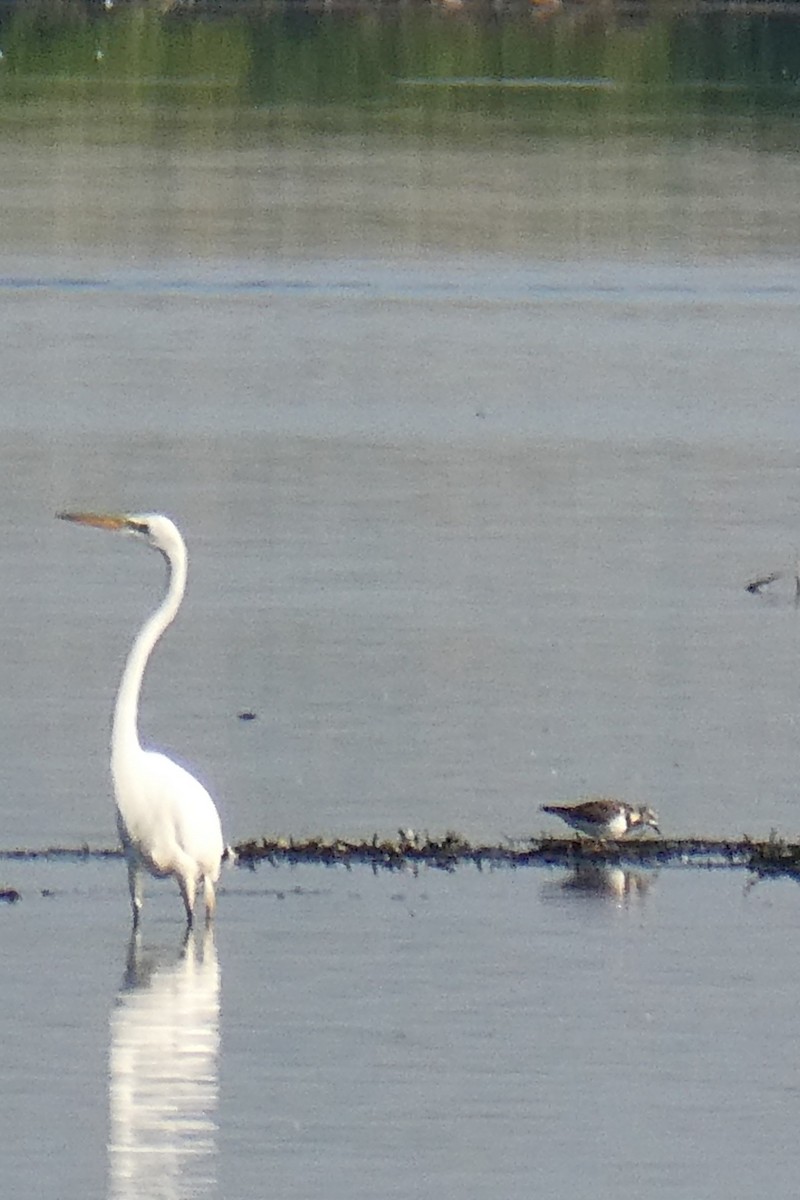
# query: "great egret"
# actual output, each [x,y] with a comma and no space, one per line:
[167,821]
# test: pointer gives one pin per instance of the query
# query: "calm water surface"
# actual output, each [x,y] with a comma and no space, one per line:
[356,1035]
[474,445]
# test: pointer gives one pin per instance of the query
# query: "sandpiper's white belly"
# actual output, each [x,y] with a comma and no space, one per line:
[612,827]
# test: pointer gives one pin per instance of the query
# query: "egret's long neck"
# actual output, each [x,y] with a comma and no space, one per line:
[125,733]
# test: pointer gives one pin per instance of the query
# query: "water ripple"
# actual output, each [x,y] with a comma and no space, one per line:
[494,285]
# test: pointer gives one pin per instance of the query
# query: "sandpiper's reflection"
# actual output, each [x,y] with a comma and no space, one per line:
[602,881]
[164,1074]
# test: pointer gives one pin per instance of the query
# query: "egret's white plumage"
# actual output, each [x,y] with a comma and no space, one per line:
[167,821]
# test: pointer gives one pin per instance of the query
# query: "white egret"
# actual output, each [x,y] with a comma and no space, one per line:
[167,821]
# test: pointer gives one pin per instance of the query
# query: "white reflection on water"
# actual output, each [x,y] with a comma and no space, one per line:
[599,880]
[164,1074]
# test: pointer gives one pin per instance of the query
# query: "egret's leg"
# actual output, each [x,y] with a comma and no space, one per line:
[135,888]
[210,898]
[132,958]
[188,888]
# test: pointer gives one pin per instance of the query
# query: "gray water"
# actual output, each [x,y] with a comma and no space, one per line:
[391,1035]
[472,475]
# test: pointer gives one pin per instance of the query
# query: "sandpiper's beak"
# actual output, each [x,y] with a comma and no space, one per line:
[99,520]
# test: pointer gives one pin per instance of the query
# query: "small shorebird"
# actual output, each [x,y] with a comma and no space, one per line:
[757,585]
[603,818]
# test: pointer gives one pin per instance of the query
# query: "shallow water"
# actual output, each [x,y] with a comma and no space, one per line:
[475,442]
[441,628]
[356,1034]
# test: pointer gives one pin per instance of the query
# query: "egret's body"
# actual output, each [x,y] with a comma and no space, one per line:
[168,823]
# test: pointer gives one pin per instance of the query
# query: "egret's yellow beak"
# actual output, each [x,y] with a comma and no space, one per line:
[99,520]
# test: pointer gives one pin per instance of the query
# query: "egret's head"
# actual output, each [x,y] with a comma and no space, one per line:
[158,531]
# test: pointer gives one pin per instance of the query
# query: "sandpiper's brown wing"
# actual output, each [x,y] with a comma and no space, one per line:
[590,810]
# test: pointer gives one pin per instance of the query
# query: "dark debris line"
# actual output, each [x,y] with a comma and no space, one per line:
[771,857]
[452,850]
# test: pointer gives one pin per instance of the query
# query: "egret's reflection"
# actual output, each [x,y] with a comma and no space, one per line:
[164,1073]
[602,881]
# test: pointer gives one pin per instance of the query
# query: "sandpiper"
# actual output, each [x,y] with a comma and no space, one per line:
[604,818]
